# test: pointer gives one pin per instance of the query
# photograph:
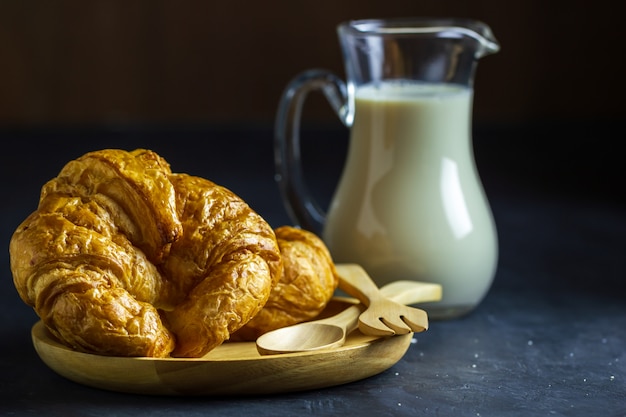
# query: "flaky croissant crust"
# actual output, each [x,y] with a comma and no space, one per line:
[124,257]
[308,283]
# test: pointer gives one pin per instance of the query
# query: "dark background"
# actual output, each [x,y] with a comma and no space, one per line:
[198,62]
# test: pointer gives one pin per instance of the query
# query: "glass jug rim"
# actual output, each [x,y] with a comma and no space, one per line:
[408,24]
[440,27]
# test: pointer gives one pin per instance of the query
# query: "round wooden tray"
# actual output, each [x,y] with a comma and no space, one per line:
[230,369]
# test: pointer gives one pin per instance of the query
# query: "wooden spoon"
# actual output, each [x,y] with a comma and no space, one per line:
[331,332]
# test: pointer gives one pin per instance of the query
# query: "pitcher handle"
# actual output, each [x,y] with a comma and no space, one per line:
[301,207]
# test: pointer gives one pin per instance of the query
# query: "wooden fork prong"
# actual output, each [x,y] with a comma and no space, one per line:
[417,320]
[396,324]
[374,327]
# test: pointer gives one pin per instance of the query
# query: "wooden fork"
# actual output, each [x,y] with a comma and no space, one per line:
[382,317]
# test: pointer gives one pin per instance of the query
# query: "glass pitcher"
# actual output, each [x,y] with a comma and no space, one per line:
[409,203]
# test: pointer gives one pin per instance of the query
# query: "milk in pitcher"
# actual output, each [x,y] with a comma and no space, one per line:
[408,205]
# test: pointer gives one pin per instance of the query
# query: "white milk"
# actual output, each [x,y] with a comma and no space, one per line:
[410,204]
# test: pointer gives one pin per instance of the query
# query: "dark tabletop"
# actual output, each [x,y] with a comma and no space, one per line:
[548,340]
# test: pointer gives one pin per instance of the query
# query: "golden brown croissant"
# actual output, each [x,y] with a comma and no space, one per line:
[307,285]
[122,257]
[226,263]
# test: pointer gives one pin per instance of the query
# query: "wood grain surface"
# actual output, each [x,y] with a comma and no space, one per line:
[230,369]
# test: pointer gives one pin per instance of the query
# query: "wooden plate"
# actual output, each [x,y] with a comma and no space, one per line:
[230,369]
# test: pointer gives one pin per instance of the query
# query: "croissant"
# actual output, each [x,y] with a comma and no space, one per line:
[308,283]
[123,257]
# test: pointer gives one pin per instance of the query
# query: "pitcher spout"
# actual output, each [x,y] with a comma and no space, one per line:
[486,43]
[444,50]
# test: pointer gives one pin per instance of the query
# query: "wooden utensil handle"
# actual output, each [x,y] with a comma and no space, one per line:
[356,282]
